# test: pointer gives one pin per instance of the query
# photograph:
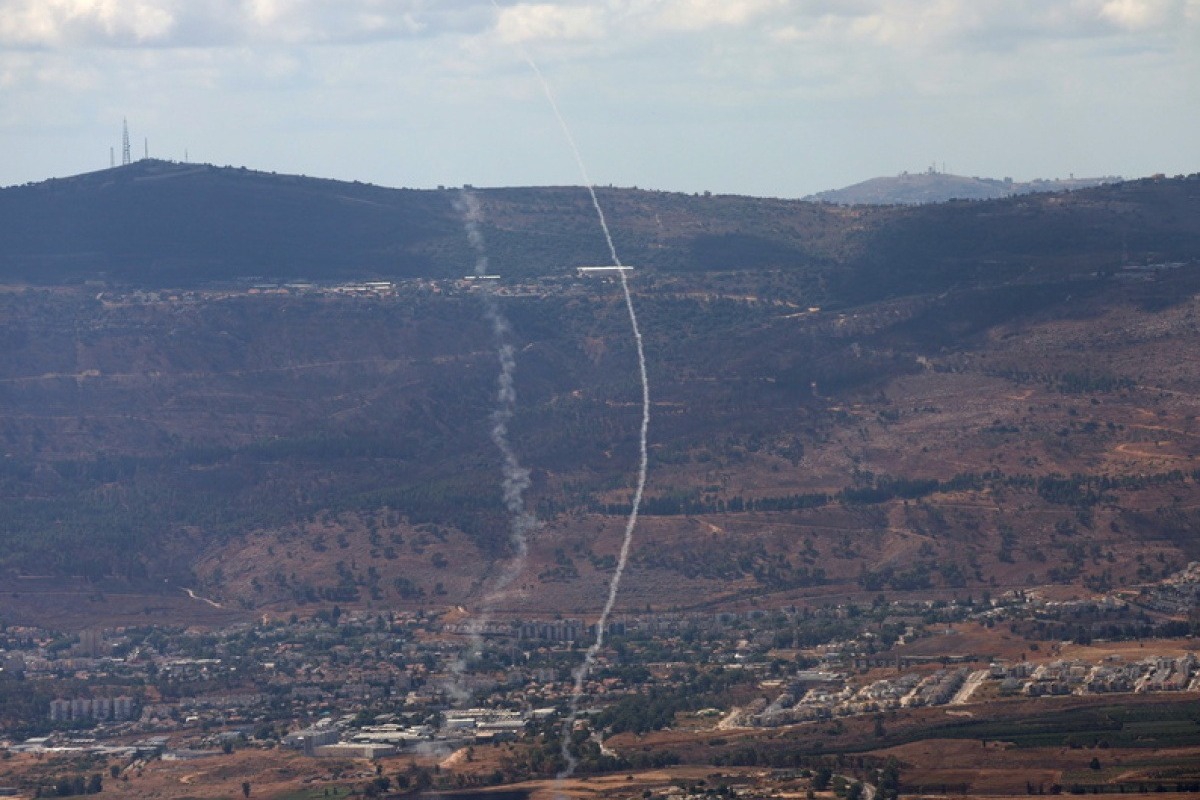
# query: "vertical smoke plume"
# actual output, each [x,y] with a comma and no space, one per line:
[589,659]
[515,477]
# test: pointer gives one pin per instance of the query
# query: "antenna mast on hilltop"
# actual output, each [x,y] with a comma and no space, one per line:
[124,142]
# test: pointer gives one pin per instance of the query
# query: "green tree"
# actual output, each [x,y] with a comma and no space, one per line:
[888,782]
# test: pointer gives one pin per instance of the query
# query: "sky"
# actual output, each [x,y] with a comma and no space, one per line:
[777,98]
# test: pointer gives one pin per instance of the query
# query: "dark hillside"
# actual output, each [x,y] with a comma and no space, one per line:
[158,224]
[161,224]
[1029,238]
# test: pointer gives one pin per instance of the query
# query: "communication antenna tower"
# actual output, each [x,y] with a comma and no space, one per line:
[125,142]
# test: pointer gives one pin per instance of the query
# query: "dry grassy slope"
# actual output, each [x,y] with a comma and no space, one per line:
[998,405]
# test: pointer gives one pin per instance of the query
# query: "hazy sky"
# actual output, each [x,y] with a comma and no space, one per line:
[769,97]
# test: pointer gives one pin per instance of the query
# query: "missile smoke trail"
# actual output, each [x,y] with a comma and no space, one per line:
[589,659]
[516,478]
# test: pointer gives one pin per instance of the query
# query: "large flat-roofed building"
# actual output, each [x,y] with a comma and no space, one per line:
[600,272]
[354,750]
[311,738]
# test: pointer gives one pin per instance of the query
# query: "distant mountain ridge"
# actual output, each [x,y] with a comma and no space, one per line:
[939,187]
[163,224]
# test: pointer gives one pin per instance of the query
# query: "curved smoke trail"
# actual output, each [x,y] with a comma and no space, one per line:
[589,659]
[516,478]
[614,585]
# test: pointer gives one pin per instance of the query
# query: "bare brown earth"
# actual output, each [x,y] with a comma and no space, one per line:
[284,775]
[271,773]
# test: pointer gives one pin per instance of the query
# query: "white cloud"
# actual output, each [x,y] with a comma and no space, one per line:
[59,22]
[692,15]
[320,21]
[528,22]
[189,23]
[901,23]
[987,24]
[1136,15]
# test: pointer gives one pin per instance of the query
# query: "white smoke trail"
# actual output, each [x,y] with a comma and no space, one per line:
[589,659]
[515,479]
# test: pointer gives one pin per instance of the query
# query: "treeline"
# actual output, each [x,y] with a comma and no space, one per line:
[919,576]
[1088,490]
[732,560]
[676,504]
[1078,490]
[657,708]
[23,704]
[1142,726]
[71,786]
[877,491]
[1124,787]
[820,767]
[1087,631]
[1085,382]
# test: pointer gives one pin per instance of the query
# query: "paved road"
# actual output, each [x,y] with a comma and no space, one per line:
[973,681]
